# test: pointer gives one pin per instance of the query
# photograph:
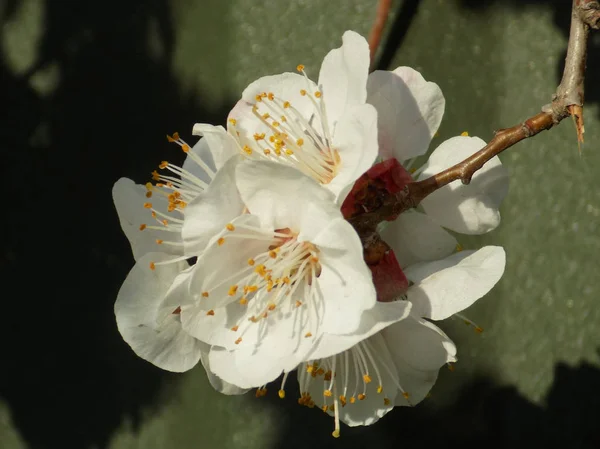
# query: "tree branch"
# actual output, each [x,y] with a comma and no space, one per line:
[568,100]
[383,11]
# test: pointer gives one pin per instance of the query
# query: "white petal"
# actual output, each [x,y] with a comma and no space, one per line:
[222,146]
[202,151]
[343,76]
[415,237]
[355,139]
[283,197]
[469,209]
[345,281]
[381,315]
[409,111]
[419,349]
[217,383]
[447,286]
[211,210]
[285,87]
[129,199]
[159,341]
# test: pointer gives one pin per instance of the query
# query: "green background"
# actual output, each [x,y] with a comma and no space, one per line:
[88,92]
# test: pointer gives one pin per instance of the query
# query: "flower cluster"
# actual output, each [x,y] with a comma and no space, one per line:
[246,260]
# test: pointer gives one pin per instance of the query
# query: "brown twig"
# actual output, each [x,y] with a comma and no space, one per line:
[568,100]
[383,11]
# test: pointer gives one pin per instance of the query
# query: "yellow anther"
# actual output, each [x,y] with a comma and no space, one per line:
[310,368]
[271,96]
[286,104]
[230,227]
[258,136]
[176,135]
[273,254]
[267,151]
[478,329]
[211,312]
[170,139]
[149,186]
[238,341]
[275,124]
[250,288]
[247,150]
[465,134]
[302,92]
[142,227]
[185,148]
[258,98]
[148,205]
[220,241]
[324,408]
[205,294]
[300,67]
[152,266]
[243,301]
[289,152]
[251,262]
[286,280]
[266,115]
[300,142]
[367,378]
[260,270]
[271,138]
[361,397]
[163,164]
[235,328]
[155,175]
[343,400]
[406,395]
[318,94]
[308,335]
[283,118]
[335,433]
[386,401]
[271,307]
[298,303]
[459,247]
[281,393]
[327,393]
[233,121]
[165,222]
[233,290]
[352,400]
[264,315]
[148,194]
[379,389]
[159,241]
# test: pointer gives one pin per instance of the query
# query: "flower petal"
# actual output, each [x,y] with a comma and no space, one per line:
[445,287]
[202,151]
[222,146]
[409,111]
[159,341]
[283,197]
[381,315]
[415,237]
[211,210]
[472,208]
[345,280]
[418,349]
[129,199]
[343,76]
[355,139]
[217,383]
[285,87]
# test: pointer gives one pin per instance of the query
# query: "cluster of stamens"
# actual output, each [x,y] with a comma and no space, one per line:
[289,137]
[281,277]
[179,188]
